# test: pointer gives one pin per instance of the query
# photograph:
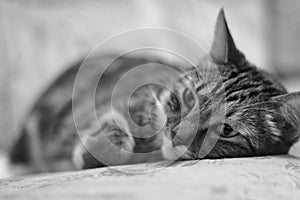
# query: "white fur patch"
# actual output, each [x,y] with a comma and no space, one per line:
[77,155]
[5,168]
[272,125]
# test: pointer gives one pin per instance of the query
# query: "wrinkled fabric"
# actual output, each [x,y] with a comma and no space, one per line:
[270,177]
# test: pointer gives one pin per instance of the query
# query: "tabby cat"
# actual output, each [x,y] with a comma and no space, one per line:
[225,107]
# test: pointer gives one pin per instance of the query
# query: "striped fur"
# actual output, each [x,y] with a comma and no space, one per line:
[230,90]
[224,107]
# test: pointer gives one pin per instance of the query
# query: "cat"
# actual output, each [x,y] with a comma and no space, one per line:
[225,107]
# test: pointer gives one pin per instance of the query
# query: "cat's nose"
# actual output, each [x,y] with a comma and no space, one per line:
[176,141]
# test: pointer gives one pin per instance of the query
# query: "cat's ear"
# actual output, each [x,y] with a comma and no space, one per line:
[289,109]
[223,49]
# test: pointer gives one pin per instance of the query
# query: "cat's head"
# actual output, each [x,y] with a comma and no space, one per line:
[228,108]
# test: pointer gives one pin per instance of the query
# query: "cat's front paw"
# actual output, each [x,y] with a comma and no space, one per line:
[109,146]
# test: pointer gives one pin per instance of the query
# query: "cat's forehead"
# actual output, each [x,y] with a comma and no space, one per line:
[235,87]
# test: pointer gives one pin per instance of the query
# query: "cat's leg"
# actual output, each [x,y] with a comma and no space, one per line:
[112,144]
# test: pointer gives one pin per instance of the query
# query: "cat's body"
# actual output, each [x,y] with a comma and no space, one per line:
[226,107]
[50,126]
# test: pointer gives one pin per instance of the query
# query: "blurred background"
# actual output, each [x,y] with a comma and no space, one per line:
[41,38]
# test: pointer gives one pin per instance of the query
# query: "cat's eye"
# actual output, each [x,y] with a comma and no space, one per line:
[226,131]
[188,98]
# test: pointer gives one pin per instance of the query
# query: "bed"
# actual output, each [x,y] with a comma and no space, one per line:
[269,177]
